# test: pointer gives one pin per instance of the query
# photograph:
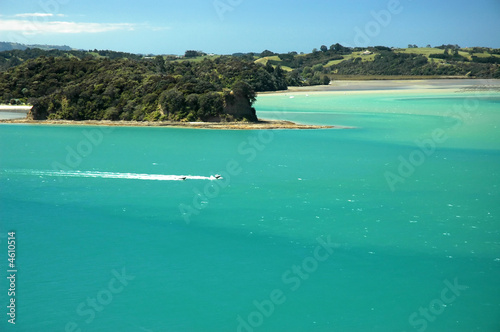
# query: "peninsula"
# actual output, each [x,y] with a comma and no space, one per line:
[237,125]
[210,91]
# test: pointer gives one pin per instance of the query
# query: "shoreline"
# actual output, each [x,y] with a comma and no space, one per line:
[260,125]
[395,86]
[344,87]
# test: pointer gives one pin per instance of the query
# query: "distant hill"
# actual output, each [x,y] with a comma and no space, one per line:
[380,62]
[319,67]
[6,46]
[15,57]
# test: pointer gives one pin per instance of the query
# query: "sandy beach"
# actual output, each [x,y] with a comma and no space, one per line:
[379,86]
[15,109]
[262,124]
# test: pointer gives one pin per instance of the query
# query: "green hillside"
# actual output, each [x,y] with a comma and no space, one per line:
[339,62]
[6,46]
[95,87]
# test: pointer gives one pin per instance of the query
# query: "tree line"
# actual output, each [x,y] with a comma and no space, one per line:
[74,88]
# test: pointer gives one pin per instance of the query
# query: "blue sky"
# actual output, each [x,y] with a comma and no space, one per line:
[228,26]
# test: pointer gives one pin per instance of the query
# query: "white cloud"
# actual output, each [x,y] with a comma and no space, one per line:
[34,15]
[33,27]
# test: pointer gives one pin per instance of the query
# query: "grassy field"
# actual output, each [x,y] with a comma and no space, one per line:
[428,51]
[335,62]
[387,77]
[485,55]
[421,50]
[265,60]
[199,58]
[286,68]
[364,58]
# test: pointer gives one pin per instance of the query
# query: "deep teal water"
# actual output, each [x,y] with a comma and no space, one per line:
[100,213]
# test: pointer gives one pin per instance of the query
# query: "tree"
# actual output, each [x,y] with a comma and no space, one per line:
[193,102]
[193,54]
[267,53]
[263,81]
[211,104]
[172,101]
[294,78]
[323,48]
[319,79]
[318,67]
[269,68]
[245,90]
[160,64]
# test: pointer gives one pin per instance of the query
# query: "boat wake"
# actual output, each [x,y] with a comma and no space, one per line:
[111,175]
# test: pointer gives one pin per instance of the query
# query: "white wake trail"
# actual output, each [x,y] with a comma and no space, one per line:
[111,175]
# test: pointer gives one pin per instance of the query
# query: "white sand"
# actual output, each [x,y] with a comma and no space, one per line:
[15,109]
[394,86]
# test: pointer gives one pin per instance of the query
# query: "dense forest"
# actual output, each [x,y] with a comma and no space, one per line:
[151,89]
[101,84]
[15,57]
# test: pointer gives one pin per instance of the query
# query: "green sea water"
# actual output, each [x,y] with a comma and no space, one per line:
[391,225]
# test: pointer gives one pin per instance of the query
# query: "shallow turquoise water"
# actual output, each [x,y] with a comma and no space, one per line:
[12,115]
[244,253]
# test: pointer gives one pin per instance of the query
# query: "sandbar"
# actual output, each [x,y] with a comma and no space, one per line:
[344,87]
[15,109]
[261,124]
